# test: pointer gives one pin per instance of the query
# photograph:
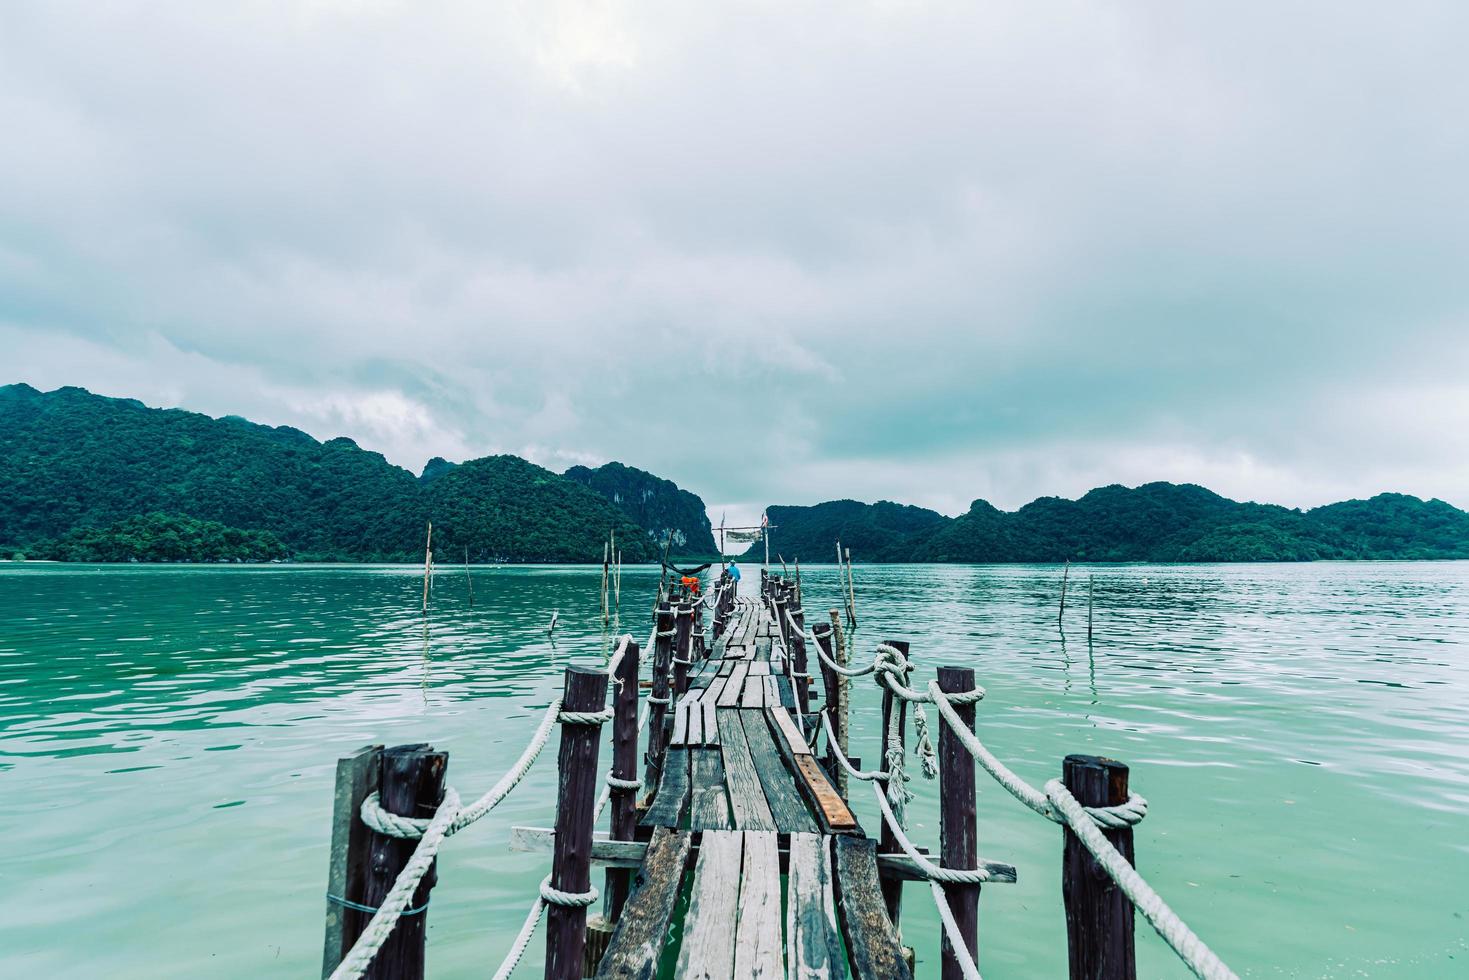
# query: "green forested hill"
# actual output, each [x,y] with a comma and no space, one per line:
[1160,522]
[653,503]
[874,532]
[71,460]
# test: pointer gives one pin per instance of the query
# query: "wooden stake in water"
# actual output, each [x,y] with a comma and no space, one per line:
[851,592]
[468,579]
[1065,574]
[1088,607]
[428,558]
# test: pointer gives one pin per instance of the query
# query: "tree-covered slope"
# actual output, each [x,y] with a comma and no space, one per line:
[164,537]
[502,507]
[874,532]
[655,504]
[71,460]
[1160,522]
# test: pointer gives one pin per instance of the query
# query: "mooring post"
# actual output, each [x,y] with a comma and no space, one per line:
[683,647]
[894,710]
[571,862]
[778,613]
[1099,917]
[623,800]
[823,636]
[346,876]
[958,824]
[796,647]
[659,699]
[842,721]
[410,784]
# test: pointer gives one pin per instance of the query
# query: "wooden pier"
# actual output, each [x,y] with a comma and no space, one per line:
[735,853]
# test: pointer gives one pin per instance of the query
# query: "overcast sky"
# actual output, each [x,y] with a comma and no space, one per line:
[776,252]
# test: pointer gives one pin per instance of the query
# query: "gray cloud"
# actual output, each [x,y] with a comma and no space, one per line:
[919,251]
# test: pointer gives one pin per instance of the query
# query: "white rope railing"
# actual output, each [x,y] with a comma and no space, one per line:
[1054,802]
[450,818]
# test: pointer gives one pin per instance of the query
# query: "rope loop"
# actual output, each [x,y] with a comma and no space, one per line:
[585,717]
[575,900]
[617,782]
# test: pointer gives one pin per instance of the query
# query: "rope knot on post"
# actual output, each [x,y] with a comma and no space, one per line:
[618,783]
[585,717]
[573,900]
[1128,814]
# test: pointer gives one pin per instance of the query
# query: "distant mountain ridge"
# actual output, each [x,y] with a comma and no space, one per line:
[85,476]
[653,503]
[1156,522]
[71,460]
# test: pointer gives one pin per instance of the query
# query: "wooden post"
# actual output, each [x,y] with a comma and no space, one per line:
[624,766]
[958,825]
[571,863]
[1098,916]
[683,647]
[796,647]
[410,784]
[1065,574]
[842,721]
[1088,607]
[830,681]
[892,888]
[657,730]
[778,613]
[346,875]
[428,562]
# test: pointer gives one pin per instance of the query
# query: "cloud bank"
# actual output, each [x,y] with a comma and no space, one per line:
[776,252]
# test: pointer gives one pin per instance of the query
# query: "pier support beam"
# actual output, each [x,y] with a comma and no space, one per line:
[571,867]
[1099,917]
[624,766]
[410,784]
[958,823]
[892,888]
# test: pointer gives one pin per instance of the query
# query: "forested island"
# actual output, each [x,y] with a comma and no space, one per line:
[89,478]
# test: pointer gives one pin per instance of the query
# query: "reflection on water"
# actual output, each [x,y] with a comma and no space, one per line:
[167,737]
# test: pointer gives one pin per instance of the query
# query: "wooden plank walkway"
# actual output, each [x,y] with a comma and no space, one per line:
[781,879]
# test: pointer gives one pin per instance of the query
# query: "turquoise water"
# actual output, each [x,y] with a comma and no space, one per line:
[168,736]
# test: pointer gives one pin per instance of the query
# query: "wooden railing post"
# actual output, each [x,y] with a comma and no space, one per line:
[1099,917]
[832,684]
[658,712]
[683,647]
[796,647]
[958,824]
[576,800]
[346,876]
[624,766]
[892,888]
[410,784]
[778,613]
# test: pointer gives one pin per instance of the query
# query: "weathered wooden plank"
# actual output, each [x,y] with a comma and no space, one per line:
[787,805]
[709,927]
[708,705]
[812,943]
[762,645]
[832,810]
[695,718]
[785,692]
[680,724]
[746,797]
[760,668]
[357,776]
[734,687]
[873,949]
[754,696]
[785,726]
[708,800]
[758,943]
[725,668]
[673,791]
[772,692]
[638,940]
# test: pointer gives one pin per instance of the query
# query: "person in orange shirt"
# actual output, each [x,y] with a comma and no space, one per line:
[691,582]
